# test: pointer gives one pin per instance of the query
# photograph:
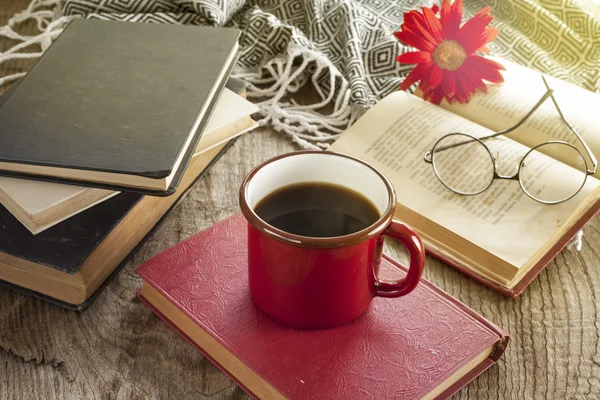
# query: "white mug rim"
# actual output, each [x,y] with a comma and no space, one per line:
[375,229]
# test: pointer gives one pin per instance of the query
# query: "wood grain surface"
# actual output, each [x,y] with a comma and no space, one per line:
[119,349]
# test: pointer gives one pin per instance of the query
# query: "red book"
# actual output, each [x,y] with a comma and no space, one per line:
[423,345]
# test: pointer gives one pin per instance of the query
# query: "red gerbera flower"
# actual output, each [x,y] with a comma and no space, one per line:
[446,66]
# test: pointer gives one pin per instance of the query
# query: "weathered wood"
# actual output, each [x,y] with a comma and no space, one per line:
[119,349]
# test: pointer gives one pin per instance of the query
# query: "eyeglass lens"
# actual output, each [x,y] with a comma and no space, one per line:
[463,164]
[548,180]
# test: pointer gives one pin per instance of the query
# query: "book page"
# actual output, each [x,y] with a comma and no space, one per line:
[230,107]
[506,104]
[394,136]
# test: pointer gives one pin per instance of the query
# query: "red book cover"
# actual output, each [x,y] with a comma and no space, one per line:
[423,345]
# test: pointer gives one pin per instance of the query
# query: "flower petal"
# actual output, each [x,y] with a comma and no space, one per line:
[410,17]
[473,33]
[462,94]
[414,20]
[445,18]
[449,83]
[475,80]
[450,17]
[426,93]
[436,74]
[437,96]
[424,31]
[414,57]
[475,76]
[433,24]
[412,39]
[415,75]
[464,98]
[493,76]
[466,83]
[478,62]
[457,13]
[490,34]
[478,43]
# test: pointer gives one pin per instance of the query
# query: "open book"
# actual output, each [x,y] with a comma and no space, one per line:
[501,237]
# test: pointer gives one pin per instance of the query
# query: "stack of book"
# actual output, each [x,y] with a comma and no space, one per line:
[101,139]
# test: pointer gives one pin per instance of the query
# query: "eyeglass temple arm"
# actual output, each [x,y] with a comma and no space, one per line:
[550,93]
[587,149]
[500,133]
[522,121]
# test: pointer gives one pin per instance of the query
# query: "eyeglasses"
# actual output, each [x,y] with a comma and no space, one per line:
[466,166]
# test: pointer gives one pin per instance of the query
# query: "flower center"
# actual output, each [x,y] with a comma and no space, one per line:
[449,55]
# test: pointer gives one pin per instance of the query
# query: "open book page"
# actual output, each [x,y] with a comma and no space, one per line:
[395,134]
[504,105]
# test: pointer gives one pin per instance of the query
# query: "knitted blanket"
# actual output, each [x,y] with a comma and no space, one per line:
[342,51]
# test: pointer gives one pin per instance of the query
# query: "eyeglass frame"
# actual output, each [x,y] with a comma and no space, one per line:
[428,157]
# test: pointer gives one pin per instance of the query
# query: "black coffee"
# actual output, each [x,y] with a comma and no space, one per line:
[317,209]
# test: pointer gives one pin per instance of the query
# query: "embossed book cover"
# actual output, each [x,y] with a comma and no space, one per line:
[425,345]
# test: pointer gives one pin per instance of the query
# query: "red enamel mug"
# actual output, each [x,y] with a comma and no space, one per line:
[316,282]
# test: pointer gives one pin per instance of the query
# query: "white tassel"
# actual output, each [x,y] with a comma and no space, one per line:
[42,11]
[576,242]
[307,127]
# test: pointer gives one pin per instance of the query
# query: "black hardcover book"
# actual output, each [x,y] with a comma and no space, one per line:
[117,105]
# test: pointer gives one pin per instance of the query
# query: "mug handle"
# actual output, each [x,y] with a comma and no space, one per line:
[405,235]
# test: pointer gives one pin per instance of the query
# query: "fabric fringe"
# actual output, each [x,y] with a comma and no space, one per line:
[577,241]
[305,124]
[43,12]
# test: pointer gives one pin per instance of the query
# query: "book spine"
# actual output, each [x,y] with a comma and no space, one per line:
[500,346]
[466,379]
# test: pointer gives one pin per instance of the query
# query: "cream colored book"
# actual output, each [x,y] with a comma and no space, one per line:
[231,118]
[41,205]
[500,237]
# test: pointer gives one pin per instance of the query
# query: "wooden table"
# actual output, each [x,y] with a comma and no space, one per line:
[120,349]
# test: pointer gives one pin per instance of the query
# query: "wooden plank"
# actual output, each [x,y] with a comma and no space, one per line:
[119,349]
